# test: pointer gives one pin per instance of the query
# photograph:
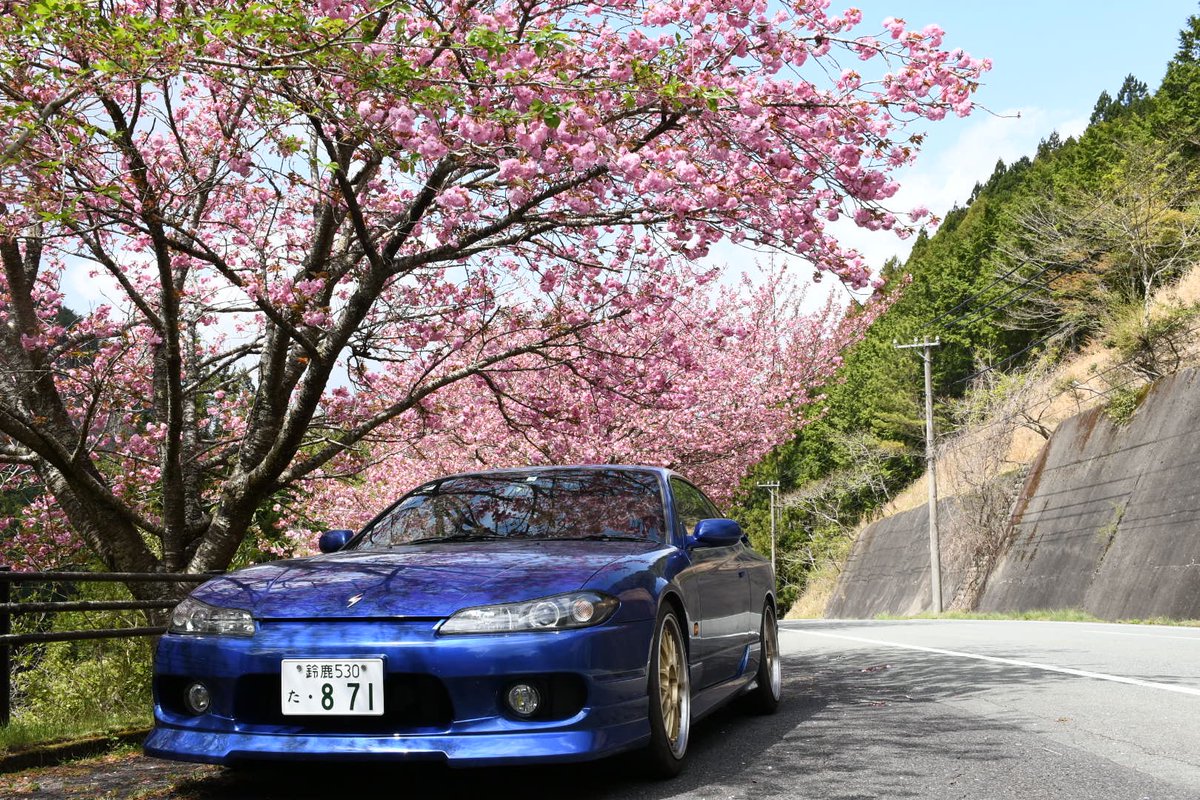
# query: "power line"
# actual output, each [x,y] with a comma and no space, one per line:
[975,296]
[1106,393]
[1013,356]
[977,313]
[1086,218]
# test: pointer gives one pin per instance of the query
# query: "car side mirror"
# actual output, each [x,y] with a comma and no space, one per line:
[716,533]
[332,541]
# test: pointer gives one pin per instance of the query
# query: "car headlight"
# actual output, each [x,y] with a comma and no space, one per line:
[193,616]
[561,612]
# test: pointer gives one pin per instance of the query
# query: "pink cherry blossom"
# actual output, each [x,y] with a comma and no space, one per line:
[344,244]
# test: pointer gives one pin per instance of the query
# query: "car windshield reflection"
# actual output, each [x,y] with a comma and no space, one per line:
[556,504]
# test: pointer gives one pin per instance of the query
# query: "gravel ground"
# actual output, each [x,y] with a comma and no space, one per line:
[123,774]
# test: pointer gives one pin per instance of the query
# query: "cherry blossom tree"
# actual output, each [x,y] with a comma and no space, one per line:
[318,220]
[708,389]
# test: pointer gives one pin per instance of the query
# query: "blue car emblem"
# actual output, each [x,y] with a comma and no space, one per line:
[353,600]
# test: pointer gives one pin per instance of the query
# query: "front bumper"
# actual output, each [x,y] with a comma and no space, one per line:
[458,750]
[470,672]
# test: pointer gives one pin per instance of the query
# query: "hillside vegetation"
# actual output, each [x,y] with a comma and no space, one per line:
[1057,286]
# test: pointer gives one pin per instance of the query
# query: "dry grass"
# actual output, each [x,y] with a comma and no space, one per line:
[823,581]
[811,603]
[1050,404]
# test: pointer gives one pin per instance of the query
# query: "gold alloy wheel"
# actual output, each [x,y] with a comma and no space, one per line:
[771,647]
[674,695]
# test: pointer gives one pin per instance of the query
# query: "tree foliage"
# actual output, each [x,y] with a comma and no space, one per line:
[1176,113]
[1051,251]
[1131,99]
[321,221]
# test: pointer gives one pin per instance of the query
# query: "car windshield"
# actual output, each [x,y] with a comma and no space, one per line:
[556,504]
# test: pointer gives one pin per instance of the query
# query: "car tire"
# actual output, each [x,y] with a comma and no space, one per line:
[670,698]
[768,681]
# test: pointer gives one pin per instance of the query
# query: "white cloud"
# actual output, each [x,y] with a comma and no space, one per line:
[945,176]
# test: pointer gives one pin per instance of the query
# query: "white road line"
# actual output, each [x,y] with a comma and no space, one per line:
[1166,687]
[1147,635]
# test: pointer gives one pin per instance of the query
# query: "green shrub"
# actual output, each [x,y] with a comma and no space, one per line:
[1152,342]
[1123,402]
[73,688]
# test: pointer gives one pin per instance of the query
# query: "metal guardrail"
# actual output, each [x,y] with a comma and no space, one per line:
[9,609]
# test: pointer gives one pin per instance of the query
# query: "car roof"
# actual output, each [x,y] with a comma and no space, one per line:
[663,471]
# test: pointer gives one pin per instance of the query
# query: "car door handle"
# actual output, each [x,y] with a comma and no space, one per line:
[741,573]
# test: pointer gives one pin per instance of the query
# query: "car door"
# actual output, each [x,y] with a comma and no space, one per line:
[723,588]
[750,568]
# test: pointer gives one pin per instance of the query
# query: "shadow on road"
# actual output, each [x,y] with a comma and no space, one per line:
[855,723]
[722,748]
[850,727]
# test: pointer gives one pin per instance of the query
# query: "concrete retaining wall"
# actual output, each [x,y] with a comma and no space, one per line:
[1108,521]
[888,570]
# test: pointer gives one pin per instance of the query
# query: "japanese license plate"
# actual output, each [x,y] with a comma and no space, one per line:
[331,686]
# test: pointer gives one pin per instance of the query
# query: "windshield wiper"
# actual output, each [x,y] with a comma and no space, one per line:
[459,537]
[599,537]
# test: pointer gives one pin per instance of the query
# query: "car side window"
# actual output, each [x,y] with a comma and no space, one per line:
[691,505]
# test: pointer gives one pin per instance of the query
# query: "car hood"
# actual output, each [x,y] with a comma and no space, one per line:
[429,581]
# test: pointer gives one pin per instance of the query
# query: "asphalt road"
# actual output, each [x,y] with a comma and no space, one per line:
[925,709]
[974,709]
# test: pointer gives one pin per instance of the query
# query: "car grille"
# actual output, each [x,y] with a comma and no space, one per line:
[411,702]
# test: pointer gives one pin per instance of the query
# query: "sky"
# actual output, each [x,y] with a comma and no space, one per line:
[1051,59]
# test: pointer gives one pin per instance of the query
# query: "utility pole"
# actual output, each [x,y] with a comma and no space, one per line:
[935,552]
[772,487]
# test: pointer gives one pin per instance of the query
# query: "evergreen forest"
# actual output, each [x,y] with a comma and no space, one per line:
[1056,252]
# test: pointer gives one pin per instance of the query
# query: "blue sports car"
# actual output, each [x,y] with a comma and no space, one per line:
[519,616]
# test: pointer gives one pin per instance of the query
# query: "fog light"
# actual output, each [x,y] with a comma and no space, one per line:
[196,698]
[523,699]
